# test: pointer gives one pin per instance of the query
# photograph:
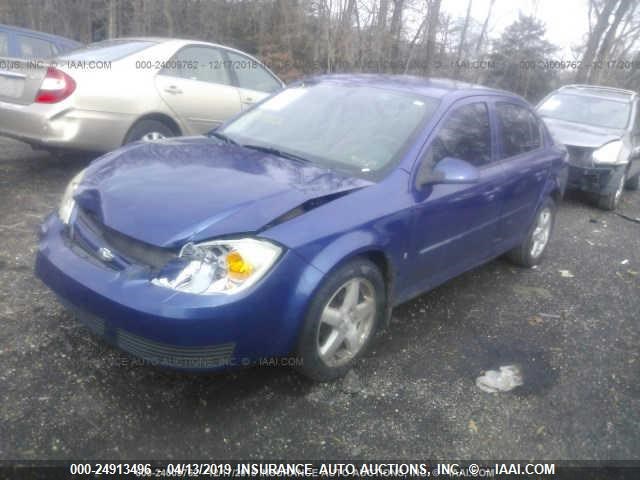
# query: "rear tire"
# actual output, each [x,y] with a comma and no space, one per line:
[148,130]
[342,320]
[533,247]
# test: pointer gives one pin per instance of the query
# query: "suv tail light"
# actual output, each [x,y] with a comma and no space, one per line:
[56,86]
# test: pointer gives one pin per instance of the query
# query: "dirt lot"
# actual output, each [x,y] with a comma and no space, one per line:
[576,335]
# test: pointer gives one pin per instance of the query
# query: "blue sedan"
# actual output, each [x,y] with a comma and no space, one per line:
[293,230]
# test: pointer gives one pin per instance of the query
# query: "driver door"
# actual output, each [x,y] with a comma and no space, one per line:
[456,225]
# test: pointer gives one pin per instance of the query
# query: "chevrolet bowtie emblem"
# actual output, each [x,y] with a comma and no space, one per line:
[105,254]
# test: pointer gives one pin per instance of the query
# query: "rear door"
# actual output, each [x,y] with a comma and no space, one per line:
[456,224]
[254,81]
[197,86]
[526,162]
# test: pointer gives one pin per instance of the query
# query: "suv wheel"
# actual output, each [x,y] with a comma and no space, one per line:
[611,200]
[633,183]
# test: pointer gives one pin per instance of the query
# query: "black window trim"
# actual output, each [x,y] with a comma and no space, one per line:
[540,132]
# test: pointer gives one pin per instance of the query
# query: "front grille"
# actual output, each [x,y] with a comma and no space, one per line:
[133,251]
[191,358]
[580,156]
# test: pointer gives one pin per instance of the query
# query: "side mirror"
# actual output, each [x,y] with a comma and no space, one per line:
[450,170]
[635,153]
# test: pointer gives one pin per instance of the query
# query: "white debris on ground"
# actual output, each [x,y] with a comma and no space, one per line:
[624,262]
[566,273]
[503,380]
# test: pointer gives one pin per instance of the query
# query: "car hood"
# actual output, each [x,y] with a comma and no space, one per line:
[581,135]
[193,189]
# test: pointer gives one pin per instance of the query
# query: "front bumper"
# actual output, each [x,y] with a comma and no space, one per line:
[174,329]
[600,180]
[61,126]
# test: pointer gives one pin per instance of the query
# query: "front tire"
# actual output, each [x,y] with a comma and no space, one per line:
[343,318]
[533,247]
[633,183]
[611,200]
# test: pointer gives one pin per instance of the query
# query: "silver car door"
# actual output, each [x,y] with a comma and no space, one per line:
[254,81]
[196,86]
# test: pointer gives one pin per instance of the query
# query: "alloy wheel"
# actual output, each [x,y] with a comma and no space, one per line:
[541,232]
[346,322]
[152,137]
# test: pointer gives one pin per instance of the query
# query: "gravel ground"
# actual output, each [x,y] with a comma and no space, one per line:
[65,394]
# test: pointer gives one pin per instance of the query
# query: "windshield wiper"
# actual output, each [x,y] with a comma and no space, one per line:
[279,153]
[223,137]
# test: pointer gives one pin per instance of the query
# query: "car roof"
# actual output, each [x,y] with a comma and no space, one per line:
[440,88]
[44,35]
[599,91]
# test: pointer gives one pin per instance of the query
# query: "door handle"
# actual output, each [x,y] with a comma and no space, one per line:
[248,99]
[172,89]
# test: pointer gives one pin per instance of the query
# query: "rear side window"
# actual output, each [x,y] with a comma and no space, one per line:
[32,47]
[4,44]
[251,75]
[520,129]
[466,135]
[204,64]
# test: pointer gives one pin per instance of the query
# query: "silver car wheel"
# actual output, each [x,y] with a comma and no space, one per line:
[541,232]
[346,322]
[619,190]
[152,137]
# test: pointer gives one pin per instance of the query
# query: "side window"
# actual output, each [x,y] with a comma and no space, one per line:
[252,75]
[466,135]
[4,44]
[520,129]
[32,47]
[204,64]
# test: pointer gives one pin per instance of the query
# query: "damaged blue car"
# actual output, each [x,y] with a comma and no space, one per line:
[295,228]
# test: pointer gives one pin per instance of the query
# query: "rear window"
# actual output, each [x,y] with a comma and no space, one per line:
[32,47]
[109,51]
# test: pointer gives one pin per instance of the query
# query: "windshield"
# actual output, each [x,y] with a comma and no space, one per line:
[595,111]
[108,51]
[356,128]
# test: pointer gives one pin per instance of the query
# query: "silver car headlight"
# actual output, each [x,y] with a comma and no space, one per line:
[609,153]
[67,203]
[219,266]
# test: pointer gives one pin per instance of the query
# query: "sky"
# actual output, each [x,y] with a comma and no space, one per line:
[566,20]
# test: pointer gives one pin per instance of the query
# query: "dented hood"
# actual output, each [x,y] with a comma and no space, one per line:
[193,189]
[581,135]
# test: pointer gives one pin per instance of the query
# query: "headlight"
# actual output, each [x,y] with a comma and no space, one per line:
[609,153]
[220,266]
[67,203]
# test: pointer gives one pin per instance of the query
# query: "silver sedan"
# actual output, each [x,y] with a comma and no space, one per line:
[124,90]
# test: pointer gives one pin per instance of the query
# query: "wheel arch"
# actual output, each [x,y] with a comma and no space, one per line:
[159,117]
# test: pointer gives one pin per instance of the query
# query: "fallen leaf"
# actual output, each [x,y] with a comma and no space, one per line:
[473,427]
[535,320]
[540,430]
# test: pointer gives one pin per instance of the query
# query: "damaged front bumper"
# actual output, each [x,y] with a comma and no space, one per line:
[601,180]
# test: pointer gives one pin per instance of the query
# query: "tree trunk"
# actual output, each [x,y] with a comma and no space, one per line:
[432,30]
[463,37]
[605,47]
[594,40]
